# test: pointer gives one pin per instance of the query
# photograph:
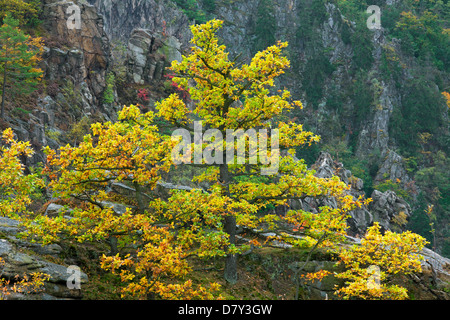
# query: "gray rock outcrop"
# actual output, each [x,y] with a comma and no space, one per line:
[389,210]
[392,168]
[83,54]
[149,54]
[122,17]
[75,63]
[24,258]
[361,218]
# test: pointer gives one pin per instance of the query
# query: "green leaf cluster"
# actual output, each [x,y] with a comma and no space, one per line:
[26,11]
[194,11]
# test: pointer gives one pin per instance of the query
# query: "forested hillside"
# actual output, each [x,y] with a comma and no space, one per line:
[355,118]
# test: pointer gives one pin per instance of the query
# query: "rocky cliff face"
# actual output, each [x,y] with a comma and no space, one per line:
[75,65]
[373,131]
[387,208]
[83,54]
[122,17]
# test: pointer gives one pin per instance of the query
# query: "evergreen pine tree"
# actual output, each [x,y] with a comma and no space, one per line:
[265,25]
[19,55]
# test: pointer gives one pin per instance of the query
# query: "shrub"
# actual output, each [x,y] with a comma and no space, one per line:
[53,89]
[108,95]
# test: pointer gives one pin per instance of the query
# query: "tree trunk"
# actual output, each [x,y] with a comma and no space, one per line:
[3,92]
[139,199]
[112,240]
[230,273]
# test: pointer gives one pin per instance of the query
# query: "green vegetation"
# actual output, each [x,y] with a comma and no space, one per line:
[108,95]
[209,5]
[424,36]
[359,37]
[193,10]
[392,186]
[19,56]
[316,71]
[434,183]
[310,15]
[362,96]
[265,26]
[422,111]
[26,11]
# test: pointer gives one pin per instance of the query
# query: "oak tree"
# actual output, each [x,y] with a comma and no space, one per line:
[230,95]
[152,238]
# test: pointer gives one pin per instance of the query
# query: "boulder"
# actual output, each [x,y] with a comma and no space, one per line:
[118,208]
[439,264]
[53,209]
[23,258]
[388,209]
[8,227]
